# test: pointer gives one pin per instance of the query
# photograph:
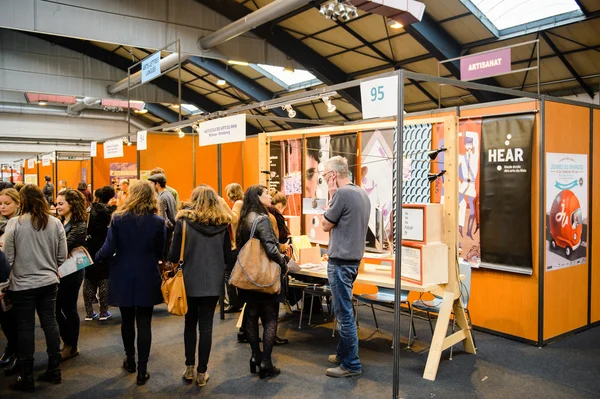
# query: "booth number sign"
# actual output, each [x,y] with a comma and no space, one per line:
[379,97]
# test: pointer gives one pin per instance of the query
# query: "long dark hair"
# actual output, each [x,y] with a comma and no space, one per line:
[77,202]
[251,204]
[34,203]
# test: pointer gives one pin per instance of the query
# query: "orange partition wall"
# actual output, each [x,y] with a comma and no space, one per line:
[72,172]
[514,296]
[31,171]
[207,167]
[232,157]
[101,167]
[567,130]
[174,155]
[46,171]
[251,162]
[595,243]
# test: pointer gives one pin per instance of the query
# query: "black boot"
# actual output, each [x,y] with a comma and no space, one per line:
[53,373]
[6,358]
[25,381]
[13,367]
[267,369]
[142,376]
[241,337]
[280,341]
[129,364]
[255,362]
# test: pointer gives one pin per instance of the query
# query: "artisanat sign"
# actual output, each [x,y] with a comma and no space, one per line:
[223,130]
[151,67]
[487,64]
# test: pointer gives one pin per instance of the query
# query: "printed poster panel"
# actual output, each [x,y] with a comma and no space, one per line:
[469,149]
[505,193]
[566,210]
[120,171]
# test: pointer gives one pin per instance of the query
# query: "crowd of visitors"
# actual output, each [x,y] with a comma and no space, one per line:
[132,239]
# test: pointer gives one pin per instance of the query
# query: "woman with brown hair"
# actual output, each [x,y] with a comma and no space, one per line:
[35,246]
[71,208]
[207,250]
[137,236]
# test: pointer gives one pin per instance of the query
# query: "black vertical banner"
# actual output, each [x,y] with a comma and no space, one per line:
[505,191]
[275,165]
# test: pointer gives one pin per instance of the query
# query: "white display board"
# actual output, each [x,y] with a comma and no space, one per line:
[223,130]
[31,163]
[113,149]
[142,142]
[412,224]
[411,264]
[93,149]
[379,97]
[151,67]
[46,159]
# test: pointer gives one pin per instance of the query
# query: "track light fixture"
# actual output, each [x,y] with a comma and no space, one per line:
[392,23]
[431,177]
[338,9]
[433,154]
[290,110]
[330,106]
[221,82]
[180,133]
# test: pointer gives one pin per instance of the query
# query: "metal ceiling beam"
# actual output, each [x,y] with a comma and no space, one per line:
[567,65]
[443,46]
[582,7]
[165,83]
[276,36]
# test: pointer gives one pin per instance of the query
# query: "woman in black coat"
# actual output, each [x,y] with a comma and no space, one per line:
[96,275]
[265,306]
[207,250]
[137,236]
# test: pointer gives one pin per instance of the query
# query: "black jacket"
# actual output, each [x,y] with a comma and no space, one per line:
[264,232]
[100,216]
[4,267]
[207,250]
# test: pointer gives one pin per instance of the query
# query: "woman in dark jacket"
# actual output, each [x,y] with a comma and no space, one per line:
[137,236]
[83,189]
[207,249]
[70,206]
[265,306]
[96,275]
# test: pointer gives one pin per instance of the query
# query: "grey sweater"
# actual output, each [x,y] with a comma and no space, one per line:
[34,256]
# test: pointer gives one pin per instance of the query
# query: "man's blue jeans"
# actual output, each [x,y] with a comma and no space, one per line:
[341,280]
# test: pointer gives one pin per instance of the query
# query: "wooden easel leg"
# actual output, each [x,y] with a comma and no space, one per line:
[463,324]
[437,343]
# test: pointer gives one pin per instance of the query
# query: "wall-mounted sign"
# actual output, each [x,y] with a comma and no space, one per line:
[484,65]
[113,149]
[46,159]
[93,149]
[379,97]
[151,67]
[412,224]
[141,140]
[31,163]
[223,130]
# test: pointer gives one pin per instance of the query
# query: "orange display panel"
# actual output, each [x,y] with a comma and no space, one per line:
[101,167]
[207,168]
[595,211]
[231,165]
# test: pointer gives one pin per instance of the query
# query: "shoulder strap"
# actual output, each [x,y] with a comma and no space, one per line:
[254,225]
[182,242]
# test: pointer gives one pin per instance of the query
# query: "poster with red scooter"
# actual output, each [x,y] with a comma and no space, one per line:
[566,210]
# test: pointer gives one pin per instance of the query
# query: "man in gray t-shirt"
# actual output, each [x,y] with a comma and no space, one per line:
[347,220]
[167,207]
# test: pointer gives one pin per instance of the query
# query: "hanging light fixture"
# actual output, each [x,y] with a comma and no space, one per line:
[338,9]
[329,104]
[42,103]
[180,133]
[221,82]
[176,106]
[289,70]
[392,23]
[290,110]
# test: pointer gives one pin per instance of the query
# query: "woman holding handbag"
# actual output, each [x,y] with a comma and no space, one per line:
[266,306]
[202,231]
[137,236]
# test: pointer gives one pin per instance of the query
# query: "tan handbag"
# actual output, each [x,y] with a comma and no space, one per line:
[173,287]
[253,270]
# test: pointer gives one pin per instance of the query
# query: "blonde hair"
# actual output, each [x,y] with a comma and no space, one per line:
[141,200]
[208,207]
[12,193]
[277,197]
[234,192]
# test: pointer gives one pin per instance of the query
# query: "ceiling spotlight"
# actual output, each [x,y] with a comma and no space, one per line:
[42,103]
[433,154]
[242,63]
[330,106]
[129,143]
[221,82]
[340,9]
[431,177]
[180,133]
[176,106]
[323,11]
[289,70]
[290,110]
[394,24]
[330,10]
[141,111]
[351,12]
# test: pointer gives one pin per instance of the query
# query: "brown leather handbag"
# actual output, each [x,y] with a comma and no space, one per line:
[173,286]
[253,270]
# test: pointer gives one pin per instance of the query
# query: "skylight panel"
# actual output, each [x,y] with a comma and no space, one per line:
[291,77]
[190,109]
[506,14]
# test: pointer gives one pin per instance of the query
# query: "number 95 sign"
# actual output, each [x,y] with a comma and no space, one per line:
[379,97]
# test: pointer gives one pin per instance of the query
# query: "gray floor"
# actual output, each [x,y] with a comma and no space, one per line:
[502,368]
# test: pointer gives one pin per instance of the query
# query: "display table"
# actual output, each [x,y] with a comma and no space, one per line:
[451,303]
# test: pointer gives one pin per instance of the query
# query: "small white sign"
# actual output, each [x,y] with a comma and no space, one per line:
[412,224]
[31,163]
[411,263]
[46,159]
[223,130]
[113,149]
[379,97]
[151,67]
[93,149]
[142,143]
